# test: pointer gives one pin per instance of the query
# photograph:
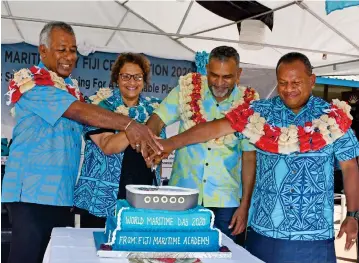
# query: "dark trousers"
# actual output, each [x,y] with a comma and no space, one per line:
[223,217]
[273,250]
[88,220]
[31,229]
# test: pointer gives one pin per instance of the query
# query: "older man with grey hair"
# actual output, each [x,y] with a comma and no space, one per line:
[44,157]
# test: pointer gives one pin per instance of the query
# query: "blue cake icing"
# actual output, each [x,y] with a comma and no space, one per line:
[134,229]
[137,219]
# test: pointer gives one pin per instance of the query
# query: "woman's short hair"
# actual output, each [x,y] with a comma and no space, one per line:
[134,58]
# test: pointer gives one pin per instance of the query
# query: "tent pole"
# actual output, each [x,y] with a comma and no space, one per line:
[335,64]
[185,36]
[153,25]
[185,17]
[118,26]
[7,7]
[306,8]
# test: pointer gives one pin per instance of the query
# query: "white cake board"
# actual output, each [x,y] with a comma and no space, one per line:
[99,238]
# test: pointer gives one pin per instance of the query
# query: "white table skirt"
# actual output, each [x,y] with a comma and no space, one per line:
[76,245]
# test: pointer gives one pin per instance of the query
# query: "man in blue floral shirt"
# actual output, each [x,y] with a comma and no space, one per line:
[42,168]
[292,207]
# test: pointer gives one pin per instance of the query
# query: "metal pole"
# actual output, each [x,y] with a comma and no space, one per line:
[335,64]
[305,7]
[183,36]
[7,7]
[185,17]
[119,24]
[239,21]
[154,26]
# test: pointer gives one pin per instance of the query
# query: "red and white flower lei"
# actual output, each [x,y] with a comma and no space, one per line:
[191,95]
[314,136]
[26,79]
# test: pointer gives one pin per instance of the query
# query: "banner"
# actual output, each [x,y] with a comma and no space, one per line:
[331,5]
[92,72]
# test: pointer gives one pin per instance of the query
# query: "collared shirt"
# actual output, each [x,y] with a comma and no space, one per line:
[45,154]
[98,185]
[216,172]
[293,197]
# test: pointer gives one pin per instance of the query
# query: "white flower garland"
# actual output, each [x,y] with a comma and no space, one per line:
[186,90]
[328,127]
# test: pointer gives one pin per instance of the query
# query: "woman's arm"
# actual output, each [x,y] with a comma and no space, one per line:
[111,143]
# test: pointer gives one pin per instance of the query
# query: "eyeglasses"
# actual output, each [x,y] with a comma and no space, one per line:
[127,77]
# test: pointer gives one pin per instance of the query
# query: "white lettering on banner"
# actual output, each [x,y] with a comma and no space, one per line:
[134,220]
[126,240]
[166,241]
[198,221]
[196,240]
[182,221]
[160,221]
[146,240]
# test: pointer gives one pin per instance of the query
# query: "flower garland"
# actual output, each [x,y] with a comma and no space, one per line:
[313,136]
[191,96]
[140,113]
[26,79]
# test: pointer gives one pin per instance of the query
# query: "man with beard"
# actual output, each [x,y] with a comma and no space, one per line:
[298,138]
[215,167]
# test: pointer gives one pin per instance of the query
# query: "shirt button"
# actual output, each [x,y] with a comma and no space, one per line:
[291,207]
[292,190]
[204,180]
[206,164]
[294,171]
[209,149]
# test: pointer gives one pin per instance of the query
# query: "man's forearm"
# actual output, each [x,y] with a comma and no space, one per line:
[93,115]
[248,177]
[155,124]
[351,184]
[202,132]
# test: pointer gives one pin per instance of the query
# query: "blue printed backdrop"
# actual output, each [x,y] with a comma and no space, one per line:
[92,72]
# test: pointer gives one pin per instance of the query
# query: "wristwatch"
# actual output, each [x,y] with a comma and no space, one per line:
[354,214]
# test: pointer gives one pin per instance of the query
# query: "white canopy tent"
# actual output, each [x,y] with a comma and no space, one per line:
[176,29]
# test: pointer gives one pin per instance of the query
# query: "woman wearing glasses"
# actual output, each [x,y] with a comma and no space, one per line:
[110,163]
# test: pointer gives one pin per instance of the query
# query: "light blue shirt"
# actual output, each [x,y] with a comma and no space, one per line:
[293,197]
[45,154]
[214,171]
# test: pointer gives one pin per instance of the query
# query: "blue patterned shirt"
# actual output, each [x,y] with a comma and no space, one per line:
[293,197]
[98,185]
[45,154]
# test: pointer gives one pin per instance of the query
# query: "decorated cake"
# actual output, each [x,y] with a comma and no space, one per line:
[161,219]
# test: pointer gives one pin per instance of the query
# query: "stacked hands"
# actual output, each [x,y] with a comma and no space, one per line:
[152,148]
[154,158]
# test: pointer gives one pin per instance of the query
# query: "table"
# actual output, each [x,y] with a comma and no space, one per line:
[76,245]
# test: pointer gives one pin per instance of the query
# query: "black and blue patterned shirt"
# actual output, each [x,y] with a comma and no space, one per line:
[293,197]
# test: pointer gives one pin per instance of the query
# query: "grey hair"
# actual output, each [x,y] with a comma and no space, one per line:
[47,29]
[224,53]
